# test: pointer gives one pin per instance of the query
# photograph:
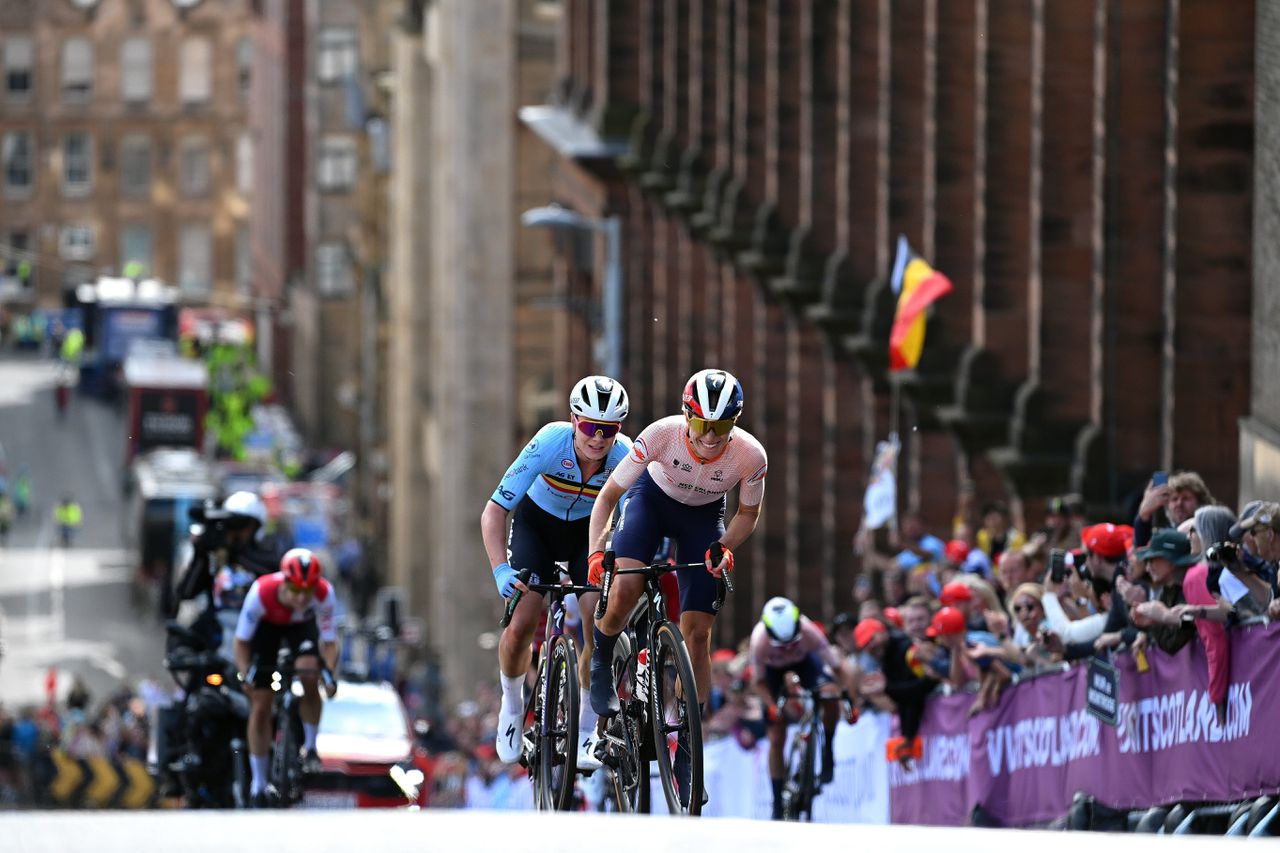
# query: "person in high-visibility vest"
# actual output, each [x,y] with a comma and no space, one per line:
[72,346]
[68,516]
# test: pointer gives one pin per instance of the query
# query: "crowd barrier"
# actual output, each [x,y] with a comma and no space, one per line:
[1023,761]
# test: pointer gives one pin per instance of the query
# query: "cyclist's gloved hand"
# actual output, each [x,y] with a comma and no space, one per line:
[725,564]
[505,577]
[595,568]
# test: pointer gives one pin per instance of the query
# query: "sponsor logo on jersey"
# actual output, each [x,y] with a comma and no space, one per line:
[686,467]
[639,450]
[567,464]
[531,448]
[516,471]
[717,477]
[507,494]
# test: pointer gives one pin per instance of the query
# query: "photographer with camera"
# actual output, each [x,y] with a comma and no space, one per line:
[229,553]
[1259,532]
[1086,581]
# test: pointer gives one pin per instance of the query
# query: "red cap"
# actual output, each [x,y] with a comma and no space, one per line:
[866,631]
[1107,540]
[946,621]
[954,592]
[957,550]
[892,614]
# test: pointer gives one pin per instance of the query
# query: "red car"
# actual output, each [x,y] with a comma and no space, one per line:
[367,747]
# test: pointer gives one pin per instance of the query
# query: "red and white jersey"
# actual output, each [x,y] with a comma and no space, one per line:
[663,448]
[262,604]
[765,654]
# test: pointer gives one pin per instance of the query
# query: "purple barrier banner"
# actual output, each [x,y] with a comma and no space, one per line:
[1024,760]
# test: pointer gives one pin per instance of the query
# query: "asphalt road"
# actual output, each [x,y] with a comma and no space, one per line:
[72,609]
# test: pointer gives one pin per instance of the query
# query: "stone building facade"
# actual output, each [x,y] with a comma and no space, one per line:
[1081,172]
[122,130]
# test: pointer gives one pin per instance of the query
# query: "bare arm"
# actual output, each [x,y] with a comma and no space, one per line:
[602,514]
[243,656]
[493,529]
[329,653]
[740,527]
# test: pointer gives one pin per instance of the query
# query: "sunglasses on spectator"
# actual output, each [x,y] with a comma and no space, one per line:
[1025,607]
[300,590]
[590,428]
[720,427]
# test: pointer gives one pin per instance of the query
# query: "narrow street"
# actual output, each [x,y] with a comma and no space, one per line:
[67,608]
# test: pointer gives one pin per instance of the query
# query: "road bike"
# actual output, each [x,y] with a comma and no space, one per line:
[800,785]
[653,676]
[551,744]
[285,770]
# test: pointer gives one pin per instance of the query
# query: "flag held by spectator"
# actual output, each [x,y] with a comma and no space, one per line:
[917,285]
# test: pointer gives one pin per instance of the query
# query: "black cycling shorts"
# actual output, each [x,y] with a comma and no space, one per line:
[538,540]
[266,643]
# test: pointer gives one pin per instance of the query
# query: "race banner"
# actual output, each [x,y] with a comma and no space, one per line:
[1041,745]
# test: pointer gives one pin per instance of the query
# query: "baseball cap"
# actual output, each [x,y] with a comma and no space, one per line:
[866,631]
[954,592]
[1237,531]
[1107,540]
[956,550]
[1264,516]
[1170,544]
[892,614]
[945,622]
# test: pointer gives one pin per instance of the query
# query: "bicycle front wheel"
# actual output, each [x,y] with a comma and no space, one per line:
[802,755]
[677,721]
[558,728]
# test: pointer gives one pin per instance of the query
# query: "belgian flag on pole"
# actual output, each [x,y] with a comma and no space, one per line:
[917,285]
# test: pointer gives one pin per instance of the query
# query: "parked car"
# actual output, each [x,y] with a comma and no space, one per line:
[368,751]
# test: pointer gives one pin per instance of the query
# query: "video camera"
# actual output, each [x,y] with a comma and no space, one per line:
[209,525]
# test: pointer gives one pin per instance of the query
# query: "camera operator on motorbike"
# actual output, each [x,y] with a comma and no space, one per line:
[290,606]
[230,552]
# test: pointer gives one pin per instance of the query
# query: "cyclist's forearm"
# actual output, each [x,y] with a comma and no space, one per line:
[602,516]
[493,529]
[329,652]
[741,526]
[242,655]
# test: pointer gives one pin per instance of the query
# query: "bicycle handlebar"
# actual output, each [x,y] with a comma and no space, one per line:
[523,578]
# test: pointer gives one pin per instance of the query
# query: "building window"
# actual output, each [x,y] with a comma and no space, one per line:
[135,165]
[338,54]
[19,56]
[77,70]
[244,163]
[77,164]
[244,66]
[244,262]
[195,259]
[193,166]
[333,270]
[16,154]
[75,243]
[135,250]
[337,167]
[135,70]
[195,78]
[16,255]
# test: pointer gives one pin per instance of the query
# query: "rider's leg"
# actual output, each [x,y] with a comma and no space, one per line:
[587,609]
[777,738]
[623,594]
[830,717]
[514,658]
[309,708]
[259,735]
[696,628]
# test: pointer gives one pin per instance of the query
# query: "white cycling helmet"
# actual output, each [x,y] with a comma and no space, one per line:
[781,620]
[713,394]
[599,398]
[247,504]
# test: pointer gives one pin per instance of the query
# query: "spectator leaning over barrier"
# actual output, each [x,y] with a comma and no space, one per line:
[1214,524]
[1168,556]
[1176,501]
[892,678]
[1087,590]
[1260,534]
[1238,593]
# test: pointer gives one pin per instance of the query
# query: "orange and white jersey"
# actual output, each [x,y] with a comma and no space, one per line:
[663,448]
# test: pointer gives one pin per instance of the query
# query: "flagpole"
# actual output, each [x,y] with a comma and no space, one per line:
[894,407]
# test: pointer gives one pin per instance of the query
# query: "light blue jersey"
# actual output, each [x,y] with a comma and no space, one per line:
[547,471]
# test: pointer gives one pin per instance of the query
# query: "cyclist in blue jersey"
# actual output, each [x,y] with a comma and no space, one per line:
[549,490]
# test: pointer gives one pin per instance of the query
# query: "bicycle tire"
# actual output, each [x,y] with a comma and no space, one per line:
[801,767]
[628,784]
[558,748]
[672,715]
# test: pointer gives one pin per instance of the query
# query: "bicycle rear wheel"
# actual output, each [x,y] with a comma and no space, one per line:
[677,721]
[797,797]
[285,761]
[627,784]
[558,729]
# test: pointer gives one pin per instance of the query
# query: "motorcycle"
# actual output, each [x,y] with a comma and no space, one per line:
[200,746]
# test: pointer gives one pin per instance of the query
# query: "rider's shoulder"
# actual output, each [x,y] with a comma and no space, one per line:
[550,433]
